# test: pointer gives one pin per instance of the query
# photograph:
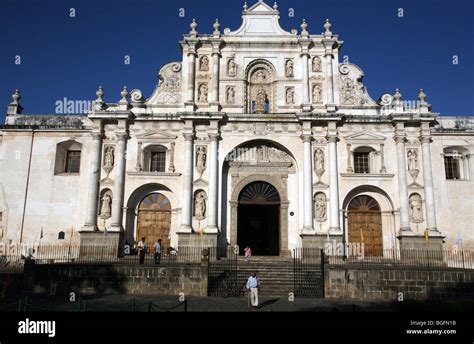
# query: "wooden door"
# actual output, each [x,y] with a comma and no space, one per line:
[154,220]
[365,225]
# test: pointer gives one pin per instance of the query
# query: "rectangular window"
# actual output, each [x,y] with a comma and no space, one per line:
[361,162]
[1,216]
[451,167]
[73,161]
[158,161]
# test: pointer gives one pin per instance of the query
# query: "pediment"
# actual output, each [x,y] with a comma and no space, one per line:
[364,137]
[156,135]
[259,19]
[260,7]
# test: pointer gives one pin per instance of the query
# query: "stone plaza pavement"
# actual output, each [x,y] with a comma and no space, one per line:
[123,303]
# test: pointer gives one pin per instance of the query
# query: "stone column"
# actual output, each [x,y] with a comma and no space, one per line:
[349,159]
[402,185]
[329,78]
[139,166]
[213,184]
[191,76]
[171,168]
[187,199]
[307,185]
[304,56]
[333,185]
[428,183]
[119,182]
[215,80]
[383,169]
[93,188]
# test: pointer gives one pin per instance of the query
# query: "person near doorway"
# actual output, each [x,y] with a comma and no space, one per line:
[158,250]
[141,250]
[253,284]
[247,253]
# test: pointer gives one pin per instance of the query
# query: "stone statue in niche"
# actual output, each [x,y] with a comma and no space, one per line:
[320,207]
[231,68]
[200,205]
[317,93]
[106,206]
[202,93]
[260,155]
[412,157]
[416,210]
[201,155]
[260,101]
[316,64]
[204,64]
[289,68]
[290,96]
[109,157]
[230,95]
[318,160]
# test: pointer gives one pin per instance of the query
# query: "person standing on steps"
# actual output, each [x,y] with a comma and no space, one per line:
[253,284]
[141,250]
[157,248]
[247,253]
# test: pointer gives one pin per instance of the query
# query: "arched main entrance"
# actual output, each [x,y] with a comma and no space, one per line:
[259,219]
[154,219]
[365,224]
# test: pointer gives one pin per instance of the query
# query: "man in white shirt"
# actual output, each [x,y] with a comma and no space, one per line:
[253,283]
[141,250]
[157,247]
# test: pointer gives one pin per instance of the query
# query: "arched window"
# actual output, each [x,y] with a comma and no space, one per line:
[68,157]
[456,163]
[155,158]
[61,235]
[364,160]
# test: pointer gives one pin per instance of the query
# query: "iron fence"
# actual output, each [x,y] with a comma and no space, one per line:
[394,258]
[308,272]
[101,254]
[225,279]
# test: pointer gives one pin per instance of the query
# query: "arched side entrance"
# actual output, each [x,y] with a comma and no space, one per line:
[364,220]
[138,201]
[258,219]
[387,212]
[154,219]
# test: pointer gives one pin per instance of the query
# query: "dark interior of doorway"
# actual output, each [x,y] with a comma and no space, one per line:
[258,227]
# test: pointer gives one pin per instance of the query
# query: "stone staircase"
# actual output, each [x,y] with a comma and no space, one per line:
[276,274]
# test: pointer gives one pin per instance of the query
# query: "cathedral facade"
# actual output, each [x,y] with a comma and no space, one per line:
[258,137]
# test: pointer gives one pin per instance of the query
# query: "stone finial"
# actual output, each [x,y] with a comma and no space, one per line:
[14,108]
[193,27]
[397,96]
[124,94]
[216,27]
[16,97]
[245,6]
[422,96]
[327,28]
[275,6]
[100,94]
[304,26]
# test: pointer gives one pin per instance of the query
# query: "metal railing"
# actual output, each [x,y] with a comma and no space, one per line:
[393,258]
[100,254]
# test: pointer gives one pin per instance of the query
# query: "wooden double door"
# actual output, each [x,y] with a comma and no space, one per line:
[365,225]
[154,220]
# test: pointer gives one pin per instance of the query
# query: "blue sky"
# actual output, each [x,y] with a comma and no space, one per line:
[69,57]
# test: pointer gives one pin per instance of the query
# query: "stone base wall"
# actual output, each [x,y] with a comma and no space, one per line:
[377,284]
[91,279]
